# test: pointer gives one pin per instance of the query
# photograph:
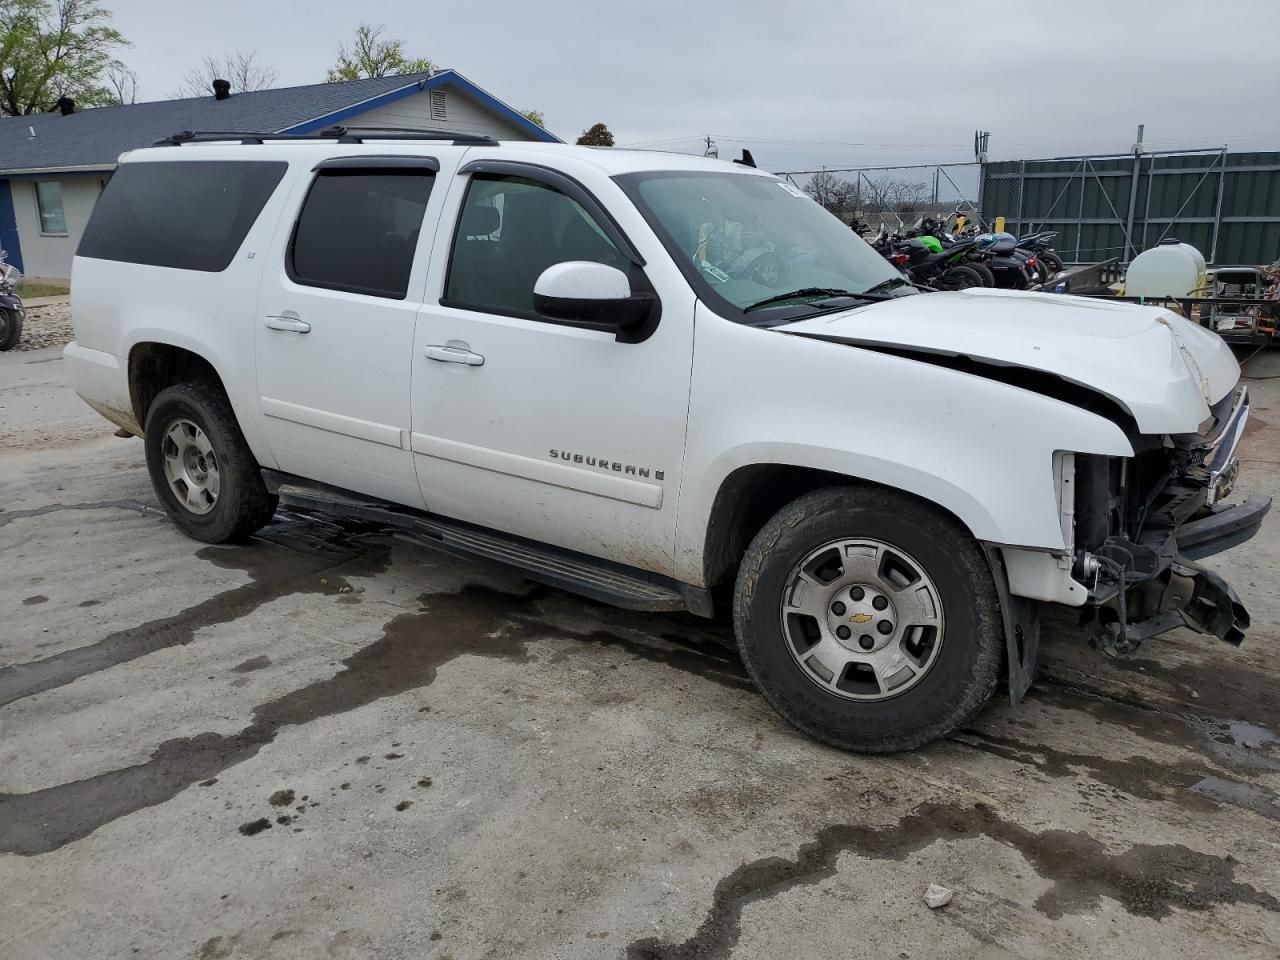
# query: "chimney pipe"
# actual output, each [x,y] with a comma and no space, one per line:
[66,106]
[221,89]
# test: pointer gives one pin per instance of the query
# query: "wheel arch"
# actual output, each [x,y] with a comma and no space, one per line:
[154,365]
[749,495]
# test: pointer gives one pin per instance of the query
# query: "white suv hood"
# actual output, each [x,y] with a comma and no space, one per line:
[1164,369]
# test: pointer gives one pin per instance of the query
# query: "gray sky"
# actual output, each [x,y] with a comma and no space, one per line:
[803,84]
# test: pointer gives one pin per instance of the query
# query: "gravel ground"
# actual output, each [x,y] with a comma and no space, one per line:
[47,325]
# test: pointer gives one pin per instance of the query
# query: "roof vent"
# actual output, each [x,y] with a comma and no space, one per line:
[221,89]
[66,106]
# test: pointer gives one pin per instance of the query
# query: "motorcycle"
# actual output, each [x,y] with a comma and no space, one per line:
[1012,268]
[932,265]
[1040,245]
[12,312]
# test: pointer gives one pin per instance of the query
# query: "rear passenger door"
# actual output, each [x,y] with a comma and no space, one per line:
[336,324]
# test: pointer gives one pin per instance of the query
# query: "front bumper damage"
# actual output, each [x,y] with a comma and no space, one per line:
[1145,587]
[1156,586]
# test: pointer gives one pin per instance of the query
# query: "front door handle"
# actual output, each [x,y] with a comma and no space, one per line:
[291,324]
[446,353]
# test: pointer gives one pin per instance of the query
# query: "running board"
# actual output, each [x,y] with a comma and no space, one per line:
[601,580]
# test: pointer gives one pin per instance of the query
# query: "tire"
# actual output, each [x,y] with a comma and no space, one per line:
[1052,262]
[959,278]
[10,328]
[954,680]
[225,499]
[988,278]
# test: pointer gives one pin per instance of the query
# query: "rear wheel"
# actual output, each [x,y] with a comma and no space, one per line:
[201,468]
[10,328]
[959,278]
[868,619]
[982,270]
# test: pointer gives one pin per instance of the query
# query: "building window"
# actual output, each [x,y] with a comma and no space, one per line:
[437,105]
[53,221]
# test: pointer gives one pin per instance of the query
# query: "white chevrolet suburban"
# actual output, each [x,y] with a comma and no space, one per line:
[670,383]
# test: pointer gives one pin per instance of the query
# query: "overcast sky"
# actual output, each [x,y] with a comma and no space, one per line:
[803,83]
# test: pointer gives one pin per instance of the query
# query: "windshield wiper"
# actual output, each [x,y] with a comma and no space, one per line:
[891,284]
[810,292]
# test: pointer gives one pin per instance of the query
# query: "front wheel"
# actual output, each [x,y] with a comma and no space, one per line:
[869,619]
[10,328]
[201,468]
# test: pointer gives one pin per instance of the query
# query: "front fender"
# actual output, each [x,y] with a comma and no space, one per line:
[980,449]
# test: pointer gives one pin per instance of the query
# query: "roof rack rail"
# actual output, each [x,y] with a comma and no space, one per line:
[360,134]
[340,133]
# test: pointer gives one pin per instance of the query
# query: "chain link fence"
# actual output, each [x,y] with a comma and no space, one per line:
[895,197]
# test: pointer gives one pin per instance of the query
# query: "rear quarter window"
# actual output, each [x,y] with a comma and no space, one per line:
[188,215]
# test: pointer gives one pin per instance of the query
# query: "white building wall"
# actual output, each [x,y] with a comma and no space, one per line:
[45,255]
[461,115]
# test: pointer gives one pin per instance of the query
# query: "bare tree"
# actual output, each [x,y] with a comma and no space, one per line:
[886,195]
[244,71]
[837,194]
[124,84]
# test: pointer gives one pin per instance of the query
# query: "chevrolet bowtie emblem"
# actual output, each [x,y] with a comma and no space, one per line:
[860,618]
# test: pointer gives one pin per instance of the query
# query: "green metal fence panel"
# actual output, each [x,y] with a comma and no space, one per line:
[1225,204]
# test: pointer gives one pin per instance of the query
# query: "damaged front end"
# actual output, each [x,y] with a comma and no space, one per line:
[1142,523]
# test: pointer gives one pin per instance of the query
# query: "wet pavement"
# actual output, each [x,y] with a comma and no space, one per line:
[333,743]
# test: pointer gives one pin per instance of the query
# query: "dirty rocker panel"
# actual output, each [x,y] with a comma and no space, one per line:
[603,580]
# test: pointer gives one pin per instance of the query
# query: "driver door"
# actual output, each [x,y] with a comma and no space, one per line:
[551,432]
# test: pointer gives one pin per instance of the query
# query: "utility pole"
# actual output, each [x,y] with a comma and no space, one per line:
[1133,195]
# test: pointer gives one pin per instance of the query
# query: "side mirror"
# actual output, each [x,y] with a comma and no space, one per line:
[595,296]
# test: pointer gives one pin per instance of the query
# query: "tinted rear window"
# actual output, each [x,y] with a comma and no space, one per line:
[358,231]
[190,215]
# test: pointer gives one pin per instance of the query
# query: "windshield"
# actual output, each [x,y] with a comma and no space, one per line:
[743,239]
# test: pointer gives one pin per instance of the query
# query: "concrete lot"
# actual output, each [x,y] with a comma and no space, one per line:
[454,763]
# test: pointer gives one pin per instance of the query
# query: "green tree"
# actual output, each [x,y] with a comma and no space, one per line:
[371,56]
[534,116]
[597,135]
[56,48]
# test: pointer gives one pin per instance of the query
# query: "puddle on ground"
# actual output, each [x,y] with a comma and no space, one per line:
[276,569]
[1250,735]
[1147,880]
[477,620]
[1240,745]
[1250,796]
[253,663]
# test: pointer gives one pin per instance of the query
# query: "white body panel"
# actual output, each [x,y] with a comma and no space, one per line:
[618,450]
[981,449]
[335,399]
[492,440]
[1162,368]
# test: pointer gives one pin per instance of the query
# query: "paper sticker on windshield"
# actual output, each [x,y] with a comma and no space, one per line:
[791,189]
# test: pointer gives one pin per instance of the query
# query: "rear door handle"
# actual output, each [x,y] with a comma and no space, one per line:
[290,324]
[450,354]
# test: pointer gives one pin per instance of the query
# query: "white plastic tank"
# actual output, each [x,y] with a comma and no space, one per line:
[1172,269]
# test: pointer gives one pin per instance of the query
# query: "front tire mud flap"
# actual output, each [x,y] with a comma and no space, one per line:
[1021,629]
